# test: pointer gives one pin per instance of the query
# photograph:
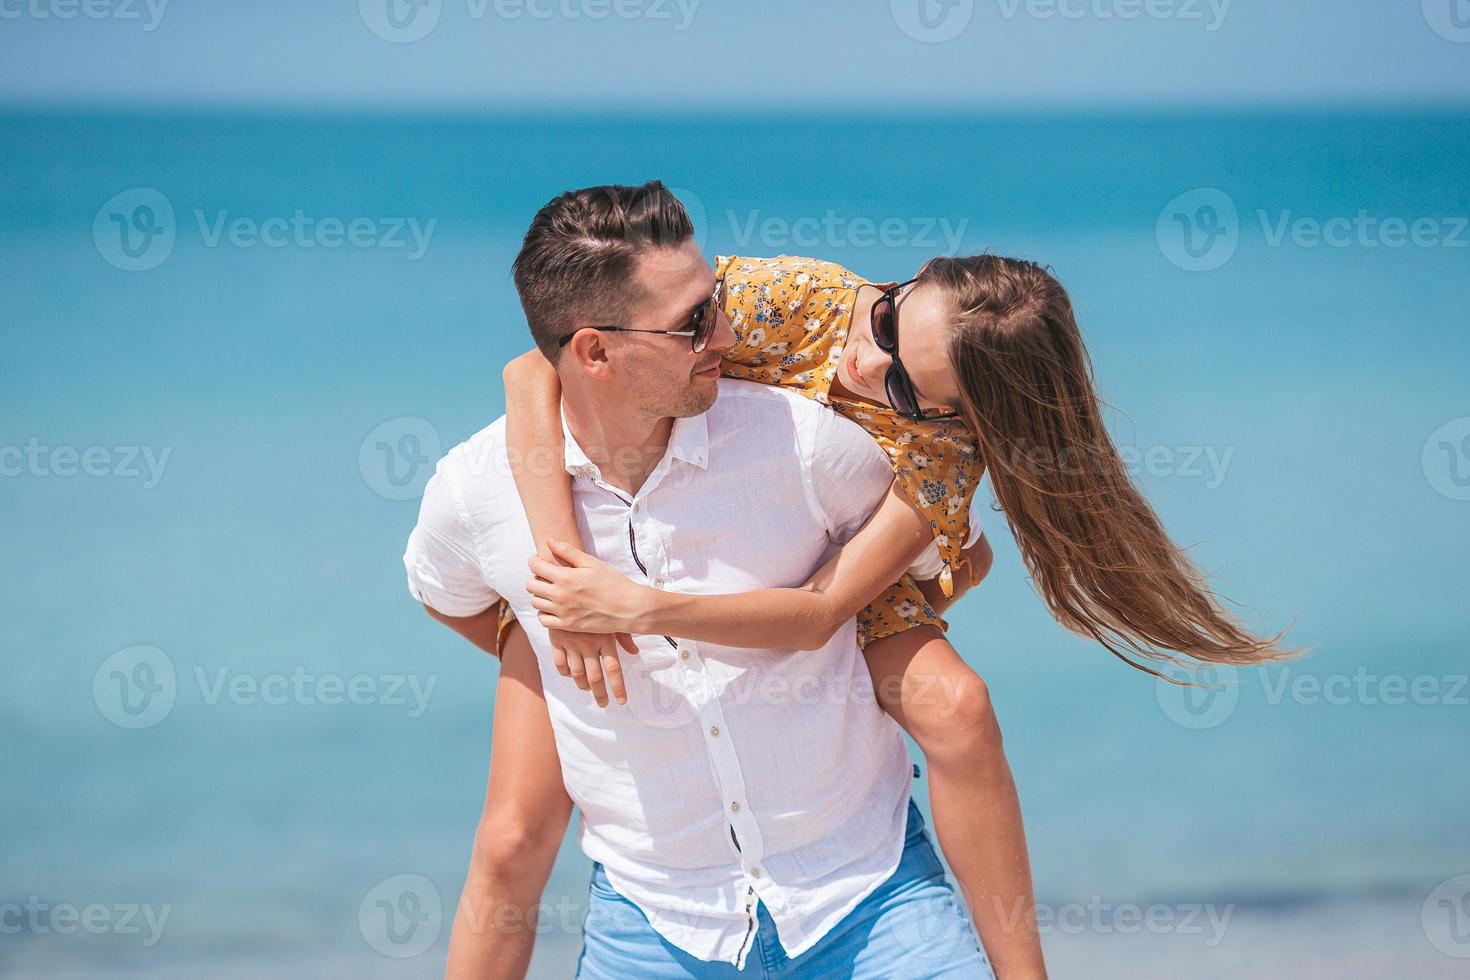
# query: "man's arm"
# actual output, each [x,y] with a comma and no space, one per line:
[521,827]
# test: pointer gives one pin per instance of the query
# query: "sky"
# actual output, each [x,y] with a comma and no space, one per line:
[826,57]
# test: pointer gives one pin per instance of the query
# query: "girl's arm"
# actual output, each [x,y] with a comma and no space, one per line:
[536,450]
[593,596]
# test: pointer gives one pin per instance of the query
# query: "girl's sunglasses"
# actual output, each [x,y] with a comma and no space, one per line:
[699,328]
[896,381]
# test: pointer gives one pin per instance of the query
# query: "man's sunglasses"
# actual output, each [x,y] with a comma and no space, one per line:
[699,328]
[896,381]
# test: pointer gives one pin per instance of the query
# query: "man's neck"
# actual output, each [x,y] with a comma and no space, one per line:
[626,448]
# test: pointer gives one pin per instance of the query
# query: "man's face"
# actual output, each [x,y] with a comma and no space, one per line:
[661,375]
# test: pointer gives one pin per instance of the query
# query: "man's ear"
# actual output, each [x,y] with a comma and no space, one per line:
[587,353]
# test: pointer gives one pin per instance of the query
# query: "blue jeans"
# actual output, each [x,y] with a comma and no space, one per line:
[912,926]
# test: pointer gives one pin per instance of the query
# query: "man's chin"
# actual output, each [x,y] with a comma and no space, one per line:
[700,399]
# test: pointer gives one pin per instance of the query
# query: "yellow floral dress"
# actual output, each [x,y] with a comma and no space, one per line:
[791,316]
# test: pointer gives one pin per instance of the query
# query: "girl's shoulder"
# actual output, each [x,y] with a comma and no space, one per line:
[788,273]
[788,313]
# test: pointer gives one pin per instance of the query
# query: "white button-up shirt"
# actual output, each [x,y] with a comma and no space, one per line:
[731,773]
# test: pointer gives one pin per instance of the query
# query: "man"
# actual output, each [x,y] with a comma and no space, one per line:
[743,805]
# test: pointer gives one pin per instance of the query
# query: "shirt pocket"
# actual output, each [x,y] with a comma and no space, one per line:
[654,679]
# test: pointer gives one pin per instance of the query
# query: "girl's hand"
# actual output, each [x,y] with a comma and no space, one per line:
[584,638]
[591,661]
[585,595]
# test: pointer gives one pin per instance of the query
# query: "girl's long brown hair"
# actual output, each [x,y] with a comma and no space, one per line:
[1094,547]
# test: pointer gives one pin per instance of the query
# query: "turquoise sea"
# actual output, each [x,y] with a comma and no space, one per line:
[232,344]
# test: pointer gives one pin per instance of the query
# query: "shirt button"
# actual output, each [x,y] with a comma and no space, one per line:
[658,583]
[714,729]
[683,654]
[755,872]
[735,807]
[636,505]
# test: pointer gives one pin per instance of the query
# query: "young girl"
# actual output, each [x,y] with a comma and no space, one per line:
[977,363]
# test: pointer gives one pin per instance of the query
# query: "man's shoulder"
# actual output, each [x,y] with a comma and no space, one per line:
[815,431]
[740,400]
[480,459]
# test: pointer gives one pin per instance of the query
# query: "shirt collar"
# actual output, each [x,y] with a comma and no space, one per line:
[688,441]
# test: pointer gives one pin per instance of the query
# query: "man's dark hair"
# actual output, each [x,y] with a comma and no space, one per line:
[577,264]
